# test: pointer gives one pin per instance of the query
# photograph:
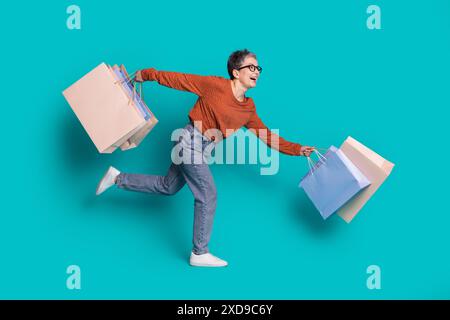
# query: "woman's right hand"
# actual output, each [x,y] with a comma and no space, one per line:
[138,77]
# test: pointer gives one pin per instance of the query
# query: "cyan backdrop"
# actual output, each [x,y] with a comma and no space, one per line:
[326,76]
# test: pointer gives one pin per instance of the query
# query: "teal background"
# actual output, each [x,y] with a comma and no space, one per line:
[326,76]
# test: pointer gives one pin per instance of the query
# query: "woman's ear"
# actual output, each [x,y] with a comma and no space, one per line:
[236,74]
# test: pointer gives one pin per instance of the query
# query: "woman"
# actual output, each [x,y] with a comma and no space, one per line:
[222,105]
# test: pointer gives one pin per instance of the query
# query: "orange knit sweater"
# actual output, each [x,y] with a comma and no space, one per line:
[217,107]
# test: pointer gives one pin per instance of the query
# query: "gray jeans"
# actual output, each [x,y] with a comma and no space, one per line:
[198,177]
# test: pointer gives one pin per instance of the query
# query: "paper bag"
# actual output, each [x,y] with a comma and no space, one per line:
[373,166]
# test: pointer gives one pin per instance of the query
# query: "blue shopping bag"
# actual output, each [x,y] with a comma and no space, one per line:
[332,181]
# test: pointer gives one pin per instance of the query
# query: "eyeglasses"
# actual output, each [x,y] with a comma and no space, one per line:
[252,68]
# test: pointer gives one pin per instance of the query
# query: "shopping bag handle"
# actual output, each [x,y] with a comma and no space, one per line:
[132,80]
[141,97]
[310,164]
[320,157]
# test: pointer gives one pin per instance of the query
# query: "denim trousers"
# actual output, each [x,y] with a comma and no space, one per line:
[196,173]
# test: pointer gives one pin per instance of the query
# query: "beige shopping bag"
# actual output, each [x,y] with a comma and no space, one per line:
[373,166]
[136,138]
[104,109]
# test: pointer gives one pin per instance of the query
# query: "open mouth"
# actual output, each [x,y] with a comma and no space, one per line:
[254,79]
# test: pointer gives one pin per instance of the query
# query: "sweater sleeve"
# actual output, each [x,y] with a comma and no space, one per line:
[273,140]
[180,81]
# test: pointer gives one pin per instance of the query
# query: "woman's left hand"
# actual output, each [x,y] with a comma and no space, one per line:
[306,151]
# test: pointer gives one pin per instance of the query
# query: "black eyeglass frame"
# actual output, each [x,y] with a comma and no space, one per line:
[251,66]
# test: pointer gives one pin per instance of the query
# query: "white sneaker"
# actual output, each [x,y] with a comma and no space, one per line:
[108,180]
[206,260]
